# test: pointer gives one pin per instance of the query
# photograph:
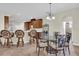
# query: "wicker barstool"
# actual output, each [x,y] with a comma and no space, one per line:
[33,35]
[20,34]
[6,35]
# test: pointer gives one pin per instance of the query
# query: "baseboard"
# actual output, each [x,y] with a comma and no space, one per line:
[76,44]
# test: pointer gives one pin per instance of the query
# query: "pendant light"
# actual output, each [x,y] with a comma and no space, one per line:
[50,15]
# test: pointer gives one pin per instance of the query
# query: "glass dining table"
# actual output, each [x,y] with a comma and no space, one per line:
[54,44]
[50,41]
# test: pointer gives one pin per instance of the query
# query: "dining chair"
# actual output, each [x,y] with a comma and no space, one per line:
[0,39]
[59,45]
[20,34]
[6,35]
[33,35]
[68,37]
[41,44]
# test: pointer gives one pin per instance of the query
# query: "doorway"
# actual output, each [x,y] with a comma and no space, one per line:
[67,26]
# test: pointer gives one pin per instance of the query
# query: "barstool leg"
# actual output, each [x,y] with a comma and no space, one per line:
[30,41]
[11,42]
[4,44]
[0,42]
[18,42]
[22,42]
[8,43]
[69,50]
[38,51]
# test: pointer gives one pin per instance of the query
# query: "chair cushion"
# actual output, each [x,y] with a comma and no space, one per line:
[55,47]
[42,44]
[59,49]
[66,44]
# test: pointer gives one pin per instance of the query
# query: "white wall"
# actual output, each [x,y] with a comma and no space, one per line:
[63,16]
[1,22]
[54,25]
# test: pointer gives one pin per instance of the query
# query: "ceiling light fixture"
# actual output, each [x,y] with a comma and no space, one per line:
[50,15]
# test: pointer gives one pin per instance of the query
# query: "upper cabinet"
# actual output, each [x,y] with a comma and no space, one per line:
[36,23]
[6,22]
[27,25]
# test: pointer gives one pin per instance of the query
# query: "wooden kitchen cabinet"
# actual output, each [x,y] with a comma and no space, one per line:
[6,22]
[27,25]
[37,23]
[40,23]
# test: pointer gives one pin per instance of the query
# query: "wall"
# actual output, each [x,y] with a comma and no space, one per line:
[1,22]
[69,15]
[54,25]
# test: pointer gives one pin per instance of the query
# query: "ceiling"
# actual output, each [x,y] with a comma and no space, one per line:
[28,10]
